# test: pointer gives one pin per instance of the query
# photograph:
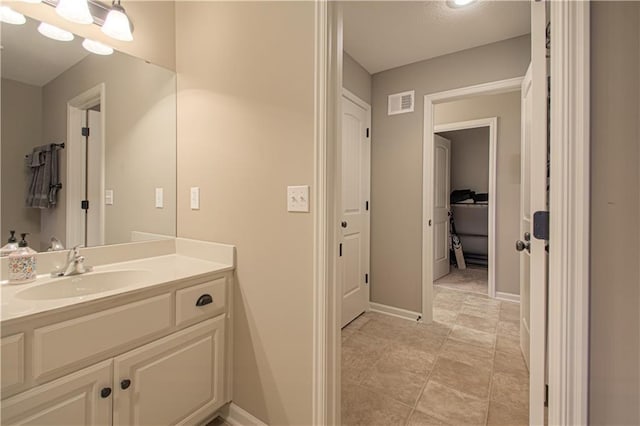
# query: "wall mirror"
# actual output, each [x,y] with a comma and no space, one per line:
[112,183]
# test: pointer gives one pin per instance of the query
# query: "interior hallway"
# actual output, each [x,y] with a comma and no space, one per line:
[465,368]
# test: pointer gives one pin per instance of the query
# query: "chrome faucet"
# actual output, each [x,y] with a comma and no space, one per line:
[74,266]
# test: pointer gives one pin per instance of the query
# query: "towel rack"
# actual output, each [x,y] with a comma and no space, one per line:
[57,145]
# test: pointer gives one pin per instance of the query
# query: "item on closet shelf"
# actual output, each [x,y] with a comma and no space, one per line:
[22,263]
[11,246]
[460,195]
[481,197]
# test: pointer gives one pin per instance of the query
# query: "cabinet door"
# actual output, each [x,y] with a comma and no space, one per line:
[175,380]
[81,398]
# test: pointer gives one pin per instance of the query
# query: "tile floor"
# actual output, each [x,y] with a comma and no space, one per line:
[473,279]
[465,368]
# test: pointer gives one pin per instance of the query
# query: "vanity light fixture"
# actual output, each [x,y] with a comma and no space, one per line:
[10,16]
[54,33]
[457,4]
[32,1]
[117,24]
[97,47]
[75,11]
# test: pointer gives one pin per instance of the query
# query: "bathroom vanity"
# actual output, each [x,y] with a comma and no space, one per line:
[144,341]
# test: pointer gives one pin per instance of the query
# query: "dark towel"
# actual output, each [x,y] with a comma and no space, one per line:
[44,182]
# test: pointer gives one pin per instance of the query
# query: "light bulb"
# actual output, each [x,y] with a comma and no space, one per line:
[96,47]
[54,32]
[10,16]
[75,11]
[32,1]
[117,24]
[463,2]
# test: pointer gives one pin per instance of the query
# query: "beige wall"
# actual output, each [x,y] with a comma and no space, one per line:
[21,131]
[396,214]
[614,382]
[507,108]
[140,144]
[355,78]
[469,158]
[153,36]
[245,132]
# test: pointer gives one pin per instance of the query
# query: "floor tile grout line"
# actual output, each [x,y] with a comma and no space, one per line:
[493,368]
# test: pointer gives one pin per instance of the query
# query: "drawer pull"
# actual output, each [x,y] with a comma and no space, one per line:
[105,392]
[205,299]
[125,384]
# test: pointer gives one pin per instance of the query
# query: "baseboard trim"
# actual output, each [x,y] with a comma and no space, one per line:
[236,416]
[395,312]
[508,297]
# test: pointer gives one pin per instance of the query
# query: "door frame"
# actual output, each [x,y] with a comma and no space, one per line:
[76,107]
[492,88]
[352,97]
[569,261]
[492,124]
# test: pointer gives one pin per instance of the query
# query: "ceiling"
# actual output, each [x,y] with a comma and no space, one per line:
[42,61]
[381,35]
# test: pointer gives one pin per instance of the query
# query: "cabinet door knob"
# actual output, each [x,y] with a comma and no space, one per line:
[205,299]
[125,384]
[344,224]
[105,392]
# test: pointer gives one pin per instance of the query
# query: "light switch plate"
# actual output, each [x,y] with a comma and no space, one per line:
[108,197]
[195,198]
[159,198]
[298,198]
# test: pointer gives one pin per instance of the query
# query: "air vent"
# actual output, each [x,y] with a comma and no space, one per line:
[400,103]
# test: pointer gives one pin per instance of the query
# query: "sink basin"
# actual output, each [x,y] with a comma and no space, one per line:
[83,285]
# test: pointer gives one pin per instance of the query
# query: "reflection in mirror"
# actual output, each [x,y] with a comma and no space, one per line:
[123,168]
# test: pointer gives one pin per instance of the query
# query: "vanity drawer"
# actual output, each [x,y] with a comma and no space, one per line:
[12,349]
[201,301]
[59,345]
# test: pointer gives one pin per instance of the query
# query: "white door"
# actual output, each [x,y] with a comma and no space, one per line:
[441,205]
[81,398]
[353,254]
[95,180]
[172,380]
[534,198]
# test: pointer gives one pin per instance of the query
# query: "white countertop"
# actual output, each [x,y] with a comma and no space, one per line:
[159,270]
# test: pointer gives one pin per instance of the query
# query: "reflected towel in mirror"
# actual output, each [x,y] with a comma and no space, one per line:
[44,177]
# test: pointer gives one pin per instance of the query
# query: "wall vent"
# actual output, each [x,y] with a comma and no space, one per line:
[400,103]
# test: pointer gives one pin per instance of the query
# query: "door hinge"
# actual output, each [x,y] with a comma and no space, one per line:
[546,395]
[541,225]
[366,278]
[85,131]
[367,132]
[366,205]
[84,204]
[340,250]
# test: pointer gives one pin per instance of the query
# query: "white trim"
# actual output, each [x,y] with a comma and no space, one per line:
[74,178]
[394,312]
[570,203]
[492,123]
[356,100]
[508,297]
[236,416]
[496,87]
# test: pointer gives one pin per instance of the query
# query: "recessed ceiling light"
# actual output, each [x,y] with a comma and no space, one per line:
[10,16]
[96,47]
[457,4]
[54,32]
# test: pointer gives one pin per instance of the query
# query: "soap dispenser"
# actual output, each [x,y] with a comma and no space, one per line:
[22,263]
[11,246]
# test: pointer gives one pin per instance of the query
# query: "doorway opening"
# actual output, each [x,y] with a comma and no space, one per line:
[469,193]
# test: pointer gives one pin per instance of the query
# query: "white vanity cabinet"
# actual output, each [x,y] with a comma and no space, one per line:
[161,357]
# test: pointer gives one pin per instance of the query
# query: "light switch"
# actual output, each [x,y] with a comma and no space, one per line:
[108,197]
[159,198]
[298,198]
[195,198]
